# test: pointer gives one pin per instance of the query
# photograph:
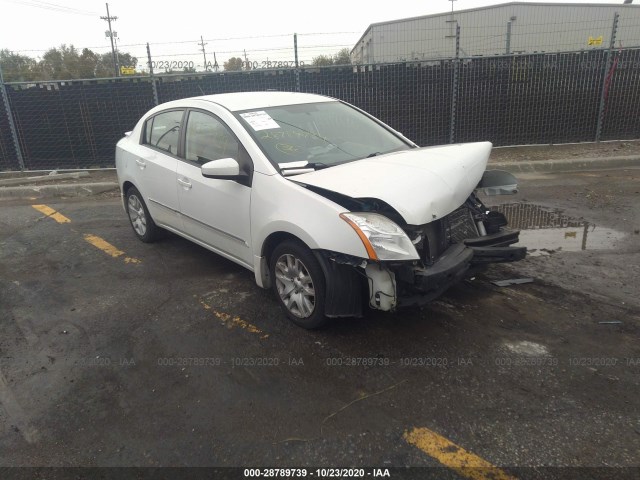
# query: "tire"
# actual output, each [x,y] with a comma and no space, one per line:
[299,284]
[141,222]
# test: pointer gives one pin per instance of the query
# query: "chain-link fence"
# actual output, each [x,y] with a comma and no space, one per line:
[538,98]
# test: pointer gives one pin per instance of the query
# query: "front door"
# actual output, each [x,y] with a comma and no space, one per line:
[215,212]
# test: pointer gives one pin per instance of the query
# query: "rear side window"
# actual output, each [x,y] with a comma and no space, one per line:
[163,131]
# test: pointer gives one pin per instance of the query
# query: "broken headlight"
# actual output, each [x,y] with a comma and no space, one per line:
[382,238]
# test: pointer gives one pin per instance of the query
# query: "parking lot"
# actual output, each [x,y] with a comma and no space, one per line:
[118,353]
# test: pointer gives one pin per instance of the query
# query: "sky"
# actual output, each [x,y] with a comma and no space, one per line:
[262,29]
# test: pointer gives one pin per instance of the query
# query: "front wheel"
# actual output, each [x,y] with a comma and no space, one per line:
[141,222]
[299,284]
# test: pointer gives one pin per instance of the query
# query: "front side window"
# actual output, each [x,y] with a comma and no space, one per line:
[208,139]
[163,131]
[325,134]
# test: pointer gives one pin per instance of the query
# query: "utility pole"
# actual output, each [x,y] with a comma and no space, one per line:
[115,42]
[108,18]
[215,63]
[204,54]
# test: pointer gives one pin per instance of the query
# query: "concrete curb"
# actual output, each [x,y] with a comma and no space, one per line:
[8,182]
[567,165]
[62,190]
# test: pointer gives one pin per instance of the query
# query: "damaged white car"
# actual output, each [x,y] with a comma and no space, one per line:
[327,205]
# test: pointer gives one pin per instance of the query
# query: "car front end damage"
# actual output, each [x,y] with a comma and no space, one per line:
[420,220]
[448,250]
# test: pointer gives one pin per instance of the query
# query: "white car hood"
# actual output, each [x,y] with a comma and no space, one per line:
[421,184]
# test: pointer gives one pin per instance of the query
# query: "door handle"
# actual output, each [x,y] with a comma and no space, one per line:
[141,163]
[185,183]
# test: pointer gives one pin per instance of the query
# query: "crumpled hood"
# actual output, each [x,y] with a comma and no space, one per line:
[421,184]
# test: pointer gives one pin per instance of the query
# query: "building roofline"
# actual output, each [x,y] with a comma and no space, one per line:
[489,7]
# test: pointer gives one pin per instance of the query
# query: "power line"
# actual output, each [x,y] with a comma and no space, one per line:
[53,7]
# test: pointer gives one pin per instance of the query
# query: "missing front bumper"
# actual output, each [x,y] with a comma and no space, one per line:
[418,286]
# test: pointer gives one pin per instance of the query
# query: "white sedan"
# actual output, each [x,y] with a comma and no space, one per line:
[327,205]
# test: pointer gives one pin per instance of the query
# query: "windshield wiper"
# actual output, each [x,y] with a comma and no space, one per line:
[374,154]
[318,165]
[297,168]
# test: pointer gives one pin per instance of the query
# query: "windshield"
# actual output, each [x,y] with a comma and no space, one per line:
[323,134]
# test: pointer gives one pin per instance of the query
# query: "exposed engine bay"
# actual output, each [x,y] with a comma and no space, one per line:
[450,247]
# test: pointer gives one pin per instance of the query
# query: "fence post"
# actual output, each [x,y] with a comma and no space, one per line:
[153,79]
[295,52]
[12,126]
[454,87]
[605,80]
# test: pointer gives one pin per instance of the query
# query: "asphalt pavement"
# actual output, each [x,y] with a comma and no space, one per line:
[119,353]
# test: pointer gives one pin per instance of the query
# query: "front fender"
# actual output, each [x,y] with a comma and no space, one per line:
[279,205]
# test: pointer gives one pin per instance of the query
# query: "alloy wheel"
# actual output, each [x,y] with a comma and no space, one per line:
[295,286]
[136,215]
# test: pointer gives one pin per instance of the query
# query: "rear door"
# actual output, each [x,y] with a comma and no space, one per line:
[215,212]
[157,161]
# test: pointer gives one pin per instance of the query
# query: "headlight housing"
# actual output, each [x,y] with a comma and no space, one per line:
[382,238]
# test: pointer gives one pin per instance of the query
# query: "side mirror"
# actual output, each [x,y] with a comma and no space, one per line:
[223,169]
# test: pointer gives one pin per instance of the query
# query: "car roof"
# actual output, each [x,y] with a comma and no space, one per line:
[251,100]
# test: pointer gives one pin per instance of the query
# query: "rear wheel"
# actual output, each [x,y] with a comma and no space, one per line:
[299,284]
[141,222]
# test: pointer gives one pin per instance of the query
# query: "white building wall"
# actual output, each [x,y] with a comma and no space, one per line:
[535,28]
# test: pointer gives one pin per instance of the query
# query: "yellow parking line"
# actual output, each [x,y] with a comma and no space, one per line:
[232,322]
[453,456]
[51,213]
[107,248]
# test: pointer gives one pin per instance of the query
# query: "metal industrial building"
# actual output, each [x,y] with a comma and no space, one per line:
[508,28]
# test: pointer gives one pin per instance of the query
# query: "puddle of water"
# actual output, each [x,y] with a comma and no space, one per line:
[544,231]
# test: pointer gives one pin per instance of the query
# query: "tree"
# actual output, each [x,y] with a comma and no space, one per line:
[65,63]
[16,67]
[322,61]
[343,57]
[233,64]
[104,66]
[61,63]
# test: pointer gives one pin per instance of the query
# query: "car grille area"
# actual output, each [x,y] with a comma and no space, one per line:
[460,225]
[432,239]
